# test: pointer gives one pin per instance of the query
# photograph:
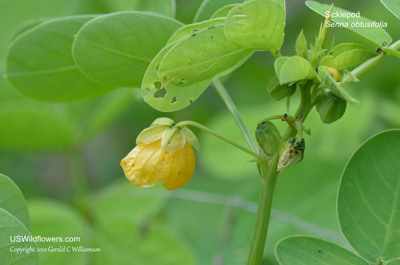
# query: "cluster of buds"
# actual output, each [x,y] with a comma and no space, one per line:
[163,153]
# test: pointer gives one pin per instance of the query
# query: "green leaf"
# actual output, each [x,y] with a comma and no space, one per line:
[393,6]
[376,35]
[327,80]
[164,7]
[40,64]
[293,69]
[10,227]
[168,97]
[12,200]
[123,201]
[369,198]
[224,11]
[346,55]
[54,219]
[116,49]
[394,262]
[300,250]
[195,27]
[28,126]
[209,7]
[201,56]
[257,24]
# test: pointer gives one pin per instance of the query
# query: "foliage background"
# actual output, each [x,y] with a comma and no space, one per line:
[211,219]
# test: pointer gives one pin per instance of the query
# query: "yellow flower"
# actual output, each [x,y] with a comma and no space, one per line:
[162,154]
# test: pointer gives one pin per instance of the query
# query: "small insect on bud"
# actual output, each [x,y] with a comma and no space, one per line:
[268,138]
[331,108]
[292,153]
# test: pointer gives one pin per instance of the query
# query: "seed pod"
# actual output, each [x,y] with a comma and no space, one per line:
[331,108]
[278,91]
[292,153]
[268,138]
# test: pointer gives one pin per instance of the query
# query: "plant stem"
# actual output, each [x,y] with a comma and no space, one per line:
[214,133]
[235,113]
[269,174]
[370,63]
[78,175]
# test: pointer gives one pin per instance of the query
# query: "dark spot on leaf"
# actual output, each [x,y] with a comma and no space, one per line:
[160,93]
[194,30]
[212,37]
[174,100]
[193,35]
[157,84]
[206,48]
[319,251]
[182,81]
[158,66]
[147,89]
[165,78]
[190,101]
[211,27]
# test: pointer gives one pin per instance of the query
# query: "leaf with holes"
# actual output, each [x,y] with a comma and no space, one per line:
[206,54]
[209,7]
[291,69]
[374,34]
[40,65]
[195,27]
[257,24]
[393,6]
[369,198]
[300,250]
[166,96]
[116,49]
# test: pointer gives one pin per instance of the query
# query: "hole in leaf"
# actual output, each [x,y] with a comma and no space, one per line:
[160,93]
[157,84]
[174,100]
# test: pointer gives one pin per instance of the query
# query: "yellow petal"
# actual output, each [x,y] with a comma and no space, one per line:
[143,165]
[178,168]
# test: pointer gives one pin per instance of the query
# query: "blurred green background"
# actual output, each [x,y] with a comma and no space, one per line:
[65,157]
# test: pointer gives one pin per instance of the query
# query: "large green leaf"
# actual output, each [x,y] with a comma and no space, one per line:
[12,231]
[293,69]
[54,219]
[165,7]
[40,64]
[394,262]
[376,35]
[201,56]
[29,126]
[393,6]
[301,250]
[116,49]
[12,200]
[208,7]
[257,24]
[346,55]
[168,96]
[369,198]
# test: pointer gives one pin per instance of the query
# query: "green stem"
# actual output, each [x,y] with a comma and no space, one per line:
[269,175]
[370,63]
[214,133]
[235,113]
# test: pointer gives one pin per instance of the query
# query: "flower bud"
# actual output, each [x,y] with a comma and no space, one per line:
[268,138]
[331,108]
[301,45]
[292,153]
[278,91]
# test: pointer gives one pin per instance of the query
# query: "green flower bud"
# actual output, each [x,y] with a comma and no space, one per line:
[301,45]
[268,138]
[331,107]
[278,91]
[292,153]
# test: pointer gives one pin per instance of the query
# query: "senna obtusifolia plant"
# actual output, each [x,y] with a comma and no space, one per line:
[174,63]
